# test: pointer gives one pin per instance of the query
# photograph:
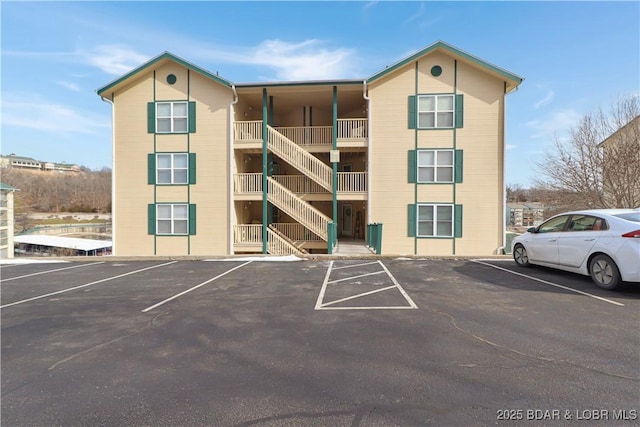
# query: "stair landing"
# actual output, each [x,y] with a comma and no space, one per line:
[349,246]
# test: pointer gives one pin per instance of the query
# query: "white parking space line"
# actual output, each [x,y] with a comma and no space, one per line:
[49,271]
[87,284]
[195,287]
[355,265]
[320,305]
[549,283]
[402,291]
[354,277]
[324,287]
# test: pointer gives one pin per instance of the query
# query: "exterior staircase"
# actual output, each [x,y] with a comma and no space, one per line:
[299,158]
[279,244]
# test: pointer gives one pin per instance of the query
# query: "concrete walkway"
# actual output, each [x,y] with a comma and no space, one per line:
[349,246]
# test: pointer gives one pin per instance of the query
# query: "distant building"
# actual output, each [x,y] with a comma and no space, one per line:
[20,162]
[528,214]
[621,151]
[13,161]
[6,221]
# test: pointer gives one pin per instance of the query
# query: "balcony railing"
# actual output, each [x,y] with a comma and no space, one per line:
[348,129]
[299,184]
[247,183]
[248,131]
[353,129]
[308,135]
[352,182]
[348,182]
[247,234]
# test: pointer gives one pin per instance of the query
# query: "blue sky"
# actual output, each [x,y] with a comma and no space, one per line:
[575,57]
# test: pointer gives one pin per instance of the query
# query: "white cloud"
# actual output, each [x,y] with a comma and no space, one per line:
[555,125]
[511,147]
[544,101]
[69,85]
[416,15]
[35,113]
[114,59]
[306,60]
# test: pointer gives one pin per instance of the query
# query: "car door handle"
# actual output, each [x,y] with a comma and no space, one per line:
[553,240]
[590,240]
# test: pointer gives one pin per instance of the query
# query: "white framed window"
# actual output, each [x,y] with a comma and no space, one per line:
[435,166]
[436,111]
[435,220]
[172,117]
[172,219]
[172,168]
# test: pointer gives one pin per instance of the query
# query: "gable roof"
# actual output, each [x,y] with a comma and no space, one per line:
[164,57]
[513,80]
[7,187]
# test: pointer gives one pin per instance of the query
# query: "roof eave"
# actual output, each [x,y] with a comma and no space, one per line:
[164,56]
[509,77]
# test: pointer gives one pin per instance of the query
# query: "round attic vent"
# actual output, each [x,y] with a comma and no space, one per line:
[171,79]
[436,70]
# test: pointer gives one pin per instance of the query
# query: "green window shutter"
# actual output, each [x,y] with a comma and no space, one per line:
[192,116]
[458,166]
[411,220]
[459,111]
[457,221]
[192,168]
[412,112]
[412,166]
[192,219]
[151,117]
[151,168]
[152,218]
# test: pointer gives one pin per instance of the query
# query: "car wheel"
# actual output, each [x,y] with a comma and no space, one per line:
[520,256]
[604,272]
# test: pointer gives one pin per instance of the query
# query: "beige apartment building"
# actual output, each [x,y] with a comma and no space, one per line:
[407,161]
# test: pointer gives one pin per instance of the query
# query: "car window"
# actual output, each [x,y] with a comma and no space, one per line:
[554,224]
[586,223]
[630,216]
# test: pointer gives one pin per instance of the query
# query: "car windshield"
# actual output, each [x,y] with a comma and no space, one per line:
[629,216]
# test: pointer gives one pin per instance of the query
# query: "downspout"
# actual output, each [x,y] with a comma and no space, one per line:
[364,95]
[113,173]
[501,250]
[230,250]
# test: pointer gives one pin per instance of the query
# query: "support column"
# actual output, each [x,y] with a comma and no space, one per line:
[265,219]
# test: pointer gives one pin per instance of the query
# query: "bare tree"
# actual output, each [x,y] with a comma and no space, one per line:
[581,174]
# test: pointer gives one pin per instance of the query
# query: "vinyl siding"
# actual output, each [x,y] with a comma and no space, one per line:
[211,143]
[132,193]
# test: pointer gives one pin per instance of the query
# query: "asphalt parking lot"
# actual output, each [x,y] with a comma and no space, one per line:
[372,342]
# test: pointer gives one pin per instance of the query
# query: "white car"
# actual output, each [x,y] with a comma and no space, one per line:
[602,243]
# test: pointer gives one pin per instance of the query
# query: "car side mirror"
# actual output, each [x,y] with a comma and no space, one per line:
[532,230]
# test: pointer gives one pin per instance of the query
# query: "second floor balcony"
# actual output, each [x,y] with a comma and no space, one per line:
[351,133]
[351,186]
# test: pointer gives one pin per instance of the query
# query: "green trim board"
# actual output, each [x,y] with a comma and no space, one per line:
[166,56]
[453,50]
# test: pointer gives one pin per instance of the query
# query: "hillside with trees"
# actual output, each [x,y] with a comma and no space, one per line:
[45,191]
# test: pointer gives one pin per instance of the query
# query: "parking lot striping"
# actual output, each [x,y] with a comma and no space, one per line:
[195,287]
[550,283]
[324,287]
[375,291]
[326,306]
[355,277]
[49,271]
[86,285]
[402,291]
[355,265]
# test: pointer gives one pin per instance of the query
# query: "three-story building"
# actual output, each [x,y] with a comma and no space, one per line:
[411,158]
